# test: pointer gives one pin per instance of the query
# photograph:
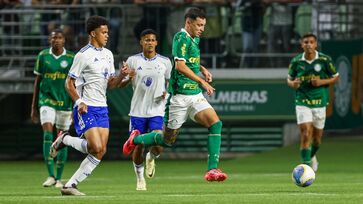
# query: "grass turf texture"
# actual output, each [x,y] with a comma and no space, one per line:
[261,178]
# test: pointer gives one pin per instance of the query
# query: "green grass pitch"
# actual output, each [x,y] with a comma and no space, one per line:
[260,178]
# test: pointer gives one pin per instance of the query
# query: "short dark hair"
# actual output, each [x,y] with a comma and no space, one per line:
[308,35]
[147,32]
[57,30]
[193,13]
[95,22]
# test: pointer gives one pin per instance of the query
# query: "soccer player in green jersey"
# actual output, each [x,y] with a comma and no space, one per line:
[51,103]
[186,98]
[310,74]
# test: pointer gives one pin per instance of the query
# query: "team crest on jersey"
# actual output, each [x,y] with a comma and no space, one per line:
[147,81]
[317,67]
[64,64]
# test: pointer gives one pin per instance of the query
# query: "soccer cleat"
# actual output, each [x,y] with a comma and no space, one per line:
[141,185]
[150,166]
[58,144]
[314,163]
[215,175]
[49,182]
[129,145]
[58,184]
[71,191]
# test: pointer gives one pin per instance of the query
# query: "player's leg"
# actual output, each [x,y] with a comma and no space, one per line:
[138,123]
[319,116]
[305,122]
[155,124]
[47,119]
[97,141]
[63,122]
[209,118]
[203,113]
[64,138]
[94,125]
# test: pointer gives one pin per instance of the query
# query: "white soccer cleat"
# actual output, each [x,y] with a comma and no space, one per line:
[141,185]
[150,166]
[58,184]
[72,191]
[49,182]
[57,144]
[314,163]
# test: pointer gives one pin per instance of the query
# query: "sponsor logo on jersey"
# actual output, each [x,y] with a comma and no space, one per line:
[95,60]
[64,64]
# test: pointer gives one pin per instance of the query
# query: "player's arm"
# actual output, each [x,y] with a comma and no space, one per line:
[72,92]
[293,82]
[118,81]
[184,69]
[207,75]
[34,108]
[316,81]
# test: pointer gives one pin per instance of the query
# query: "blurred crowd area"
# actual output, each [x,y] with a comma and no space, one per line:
[238,34]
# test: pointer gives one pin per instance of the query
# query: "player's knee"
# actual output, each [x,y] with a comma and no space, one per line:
[169,140]
[97,149]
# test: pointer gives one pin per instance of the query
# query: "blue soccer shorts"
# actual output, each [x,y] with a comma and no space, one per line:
[95,117]
[145,125]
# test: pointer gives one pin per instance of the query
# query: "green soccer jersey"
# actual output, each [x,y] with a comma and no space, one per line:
[53,73]
[307,94]
[185,48]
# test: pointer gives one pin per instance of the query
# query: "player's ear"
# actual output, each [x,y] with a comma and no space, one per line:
[93,34]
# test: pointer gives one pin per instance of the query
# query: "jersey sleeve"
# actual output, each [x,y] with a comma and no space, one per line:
[38,67]
[180,46]
[79,63]
[112,65]
[292,70]
[168,69]
[331,69]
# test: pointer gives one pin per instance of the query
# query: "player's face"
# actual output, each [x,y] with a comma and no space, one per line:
[100,36]
[196,27]
[149,43]
[56,40]
[309,44]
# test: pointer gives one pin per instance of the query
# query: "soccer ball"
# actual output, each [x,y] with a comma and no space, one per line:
[303,175]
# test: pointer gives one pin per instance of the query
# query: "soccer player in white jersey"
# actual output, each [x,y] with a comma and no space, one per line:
[151,72]
[91,74]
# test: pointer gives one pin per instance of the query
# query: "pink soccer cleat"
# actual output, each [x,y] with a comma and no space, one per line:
[215,175]
[129,145]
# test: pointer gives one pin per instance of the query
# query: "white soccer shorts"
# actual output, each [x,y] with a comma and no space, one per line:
[315,115]
[62,119]
[181,106]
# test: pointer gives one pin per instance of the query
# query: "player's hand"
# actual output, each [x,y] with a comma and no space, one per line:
[124,70]
[132,73]
[82,108]
[208,88]
[316,81]
[296,83]
[207,75]
[34,115]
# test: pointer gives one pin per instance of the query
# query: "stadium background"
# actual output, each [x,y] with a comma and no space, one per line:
[254,102]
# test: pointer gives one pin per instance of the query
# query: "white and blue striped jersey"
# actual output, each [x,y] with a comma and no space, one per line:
[92,67]
[149,84]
